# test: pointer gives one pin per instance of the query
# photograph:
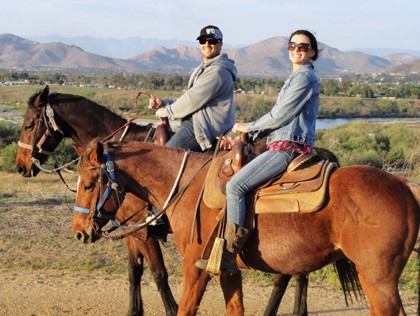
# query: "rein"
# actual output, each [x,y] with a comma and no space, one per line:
[46,117]
[150,219]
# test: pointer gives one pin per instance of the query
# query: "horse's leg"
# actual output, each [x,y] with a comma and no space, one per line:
[280,282]
[231,285]
[301,293]
[135,272]
[150,250]
[382,294]
[194,282]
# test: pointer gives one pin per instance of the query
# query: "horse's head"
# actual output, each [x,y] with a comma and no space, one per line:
[98,196]
[39,137]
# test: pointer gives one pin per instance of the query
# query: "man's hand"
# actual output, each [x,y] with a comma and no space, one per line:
[159,113]
[154,102]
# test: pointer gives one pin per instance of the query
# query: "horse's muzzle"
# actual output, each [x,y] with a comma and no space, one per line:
[84,237]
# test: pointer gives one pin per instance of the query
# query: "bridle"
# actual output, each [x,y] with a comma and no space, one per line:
[45,118]
[107,172]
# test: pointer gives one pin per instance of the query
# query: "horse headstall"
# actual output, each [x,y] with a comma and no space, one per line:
[45,118]
[107,175]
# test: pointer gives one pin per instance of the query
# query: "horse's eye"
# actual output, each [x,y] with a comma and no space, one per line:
[30,126]
[89,187]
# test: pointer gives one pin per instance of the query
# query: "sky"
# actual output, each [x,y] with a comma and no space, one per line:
[342,24]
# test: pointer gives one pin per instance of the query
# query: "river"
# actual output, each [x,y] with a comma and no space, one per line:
[16,116]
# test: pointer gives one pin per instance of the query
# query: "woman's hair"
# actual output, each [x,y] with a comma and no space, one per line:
[312,39]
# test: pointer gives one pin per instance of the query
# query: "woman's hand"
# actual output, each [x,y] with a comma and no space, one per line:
[240,128]
[226,143]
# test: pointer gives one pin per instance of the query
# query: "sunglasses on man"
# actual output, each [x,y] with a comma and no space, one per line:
[211,41]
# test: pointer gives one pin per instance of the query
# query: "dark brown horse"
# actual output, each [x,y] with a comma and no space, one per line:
[82,120]
[371,218]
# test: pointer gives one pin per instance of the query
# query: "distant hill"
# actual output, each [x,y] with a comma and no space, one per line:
[112,47]
[265,58]
[18,53]
[382,52]
[413,67]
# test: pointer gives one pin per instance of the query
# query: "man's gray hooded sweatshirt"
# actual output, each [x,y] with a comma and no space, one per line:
[208,100]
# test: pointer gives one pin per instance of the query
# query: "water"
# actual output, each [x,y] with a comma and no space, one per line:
[328,123]
[16,117]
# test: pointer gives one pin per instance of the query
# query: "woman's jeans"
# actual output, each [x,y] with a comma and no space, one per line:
[184,138]
[263,168]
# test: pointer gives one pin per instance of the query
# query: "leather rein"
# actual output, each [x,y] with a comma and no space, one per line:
[108,170]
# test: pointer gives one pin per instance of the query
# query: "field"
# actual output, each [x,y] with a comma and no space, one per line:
[46,272]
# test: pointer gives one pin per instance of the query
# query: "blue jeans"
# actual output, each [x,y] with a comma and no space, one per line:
[184,138]
[263,168]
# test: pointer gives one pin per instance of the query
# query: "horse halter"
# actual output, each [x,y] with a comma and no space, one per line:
[107,172]
[46,117]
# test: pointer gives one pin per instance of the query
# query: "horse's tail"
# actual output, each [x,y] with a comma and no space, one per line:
[349,280]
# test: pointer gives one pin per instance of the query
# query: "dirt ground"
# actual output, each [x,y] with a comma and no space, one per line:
[64,293]
[44,271]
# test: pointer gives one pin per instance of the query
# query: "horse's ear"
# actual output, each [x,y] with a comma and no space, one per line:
[79,149]
[100,149]
[44,93]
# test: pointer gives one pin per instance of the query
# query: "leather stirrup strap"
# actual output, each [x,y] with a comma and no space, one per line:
[200,197]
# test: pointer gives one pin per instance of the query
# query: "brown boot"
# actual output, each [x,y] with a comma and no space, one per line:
[236,237]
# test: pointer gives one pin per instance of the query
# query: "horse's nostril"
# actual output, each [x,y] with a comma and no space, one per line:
[79,236]
[21,169]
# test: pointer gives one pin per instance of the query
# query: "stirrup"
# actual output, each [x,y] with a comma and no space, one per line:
[202,264]
[215,259]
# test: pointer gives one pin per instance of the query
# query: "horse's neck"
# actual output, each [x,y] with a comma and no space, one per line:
[157,171]
[84,123]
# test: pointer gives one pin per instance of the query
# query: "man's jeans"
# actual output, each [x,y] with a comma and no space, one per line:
[184,138]
[263,168]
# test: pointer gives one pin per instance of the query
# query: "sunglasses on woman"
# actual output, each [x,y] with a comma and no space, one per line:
[302,47]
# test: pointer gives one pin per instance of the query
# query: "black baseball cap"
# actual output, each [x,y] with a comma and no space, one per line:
[211,31]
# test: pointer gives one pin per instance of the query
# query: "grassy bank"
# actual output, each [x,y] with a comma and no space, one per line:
[248,106]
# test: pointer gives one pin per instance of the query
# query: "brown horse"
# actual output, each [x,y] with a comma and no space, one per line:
[371,218]
[82,120]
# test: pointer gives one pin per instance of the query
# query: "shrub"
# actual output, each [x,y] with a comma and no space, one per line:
[8,155]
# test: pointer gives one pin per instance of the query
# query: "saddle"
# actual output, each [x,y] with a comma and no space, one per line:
[301,188]
[162,133]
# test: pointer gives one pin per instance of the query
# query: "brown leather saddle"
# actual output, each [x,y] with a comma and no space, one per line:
[301,188]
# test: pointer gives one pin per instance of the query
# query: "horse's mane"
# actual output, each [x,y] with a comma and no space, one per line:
[31,101]
[82,101]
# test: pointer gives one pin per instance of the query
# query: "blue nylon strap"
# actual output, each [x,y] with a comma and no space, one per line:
[81,209]
[108,190]
[104,197]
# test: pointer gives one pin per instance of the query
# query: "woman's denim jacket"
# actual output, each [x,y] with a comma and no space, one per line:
[294,115]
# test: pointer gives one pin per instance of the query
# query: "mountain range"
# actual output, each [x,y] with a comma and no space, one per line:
[268,58]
